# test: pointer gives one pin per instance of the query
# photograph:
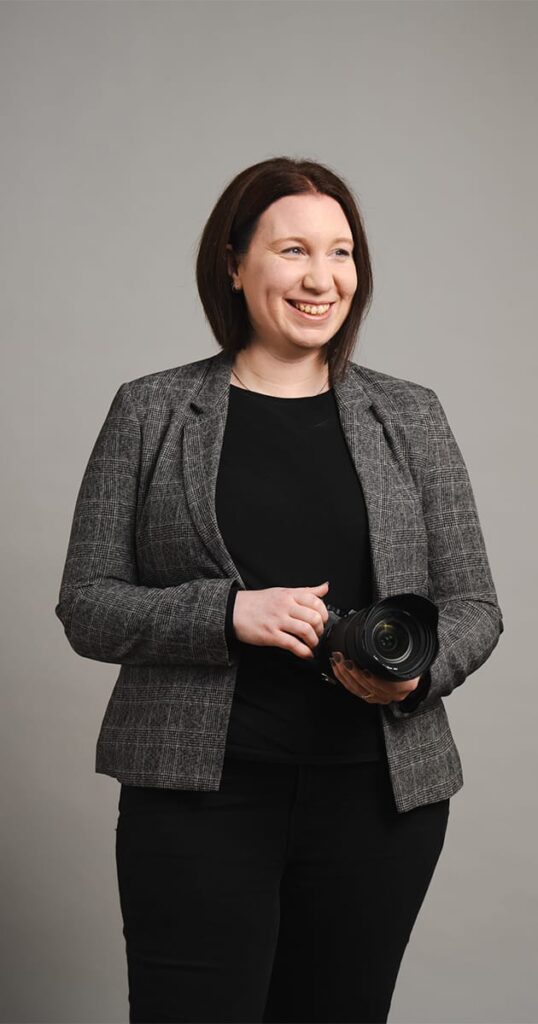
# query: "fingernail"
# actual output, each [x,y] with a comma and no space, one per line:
[348,664]
[337,657]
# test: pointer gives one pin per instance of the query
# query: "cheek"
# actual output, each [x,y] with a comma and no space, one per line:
[350,282]
[269,300]
[281,281]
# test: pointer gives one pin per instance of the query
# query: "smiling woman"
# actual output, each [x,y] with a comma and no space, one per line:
[258,256]
[287,349]
[276,836]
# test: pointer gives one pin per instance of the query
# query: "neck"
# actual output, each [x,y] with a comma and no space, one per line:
[260,370]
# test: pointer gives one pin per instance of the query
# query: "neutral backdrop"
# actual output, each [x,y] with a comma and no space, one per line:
[121,123]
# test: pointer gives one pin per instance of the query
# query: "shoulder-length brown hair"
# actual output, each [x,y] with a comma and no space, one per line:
[233,221]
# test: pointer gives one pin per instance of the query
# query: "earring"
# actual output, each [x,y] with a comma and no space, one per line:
[234,287]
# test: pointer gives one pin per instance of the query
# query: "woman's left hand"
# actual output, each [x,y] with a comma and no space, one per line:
[373,689]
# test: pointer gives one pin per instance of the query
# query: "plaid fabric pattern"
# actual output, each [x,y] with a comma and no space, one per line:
[147,574]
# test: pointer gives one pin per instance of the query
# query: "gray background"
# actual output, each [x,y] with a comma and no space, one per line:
[120,125]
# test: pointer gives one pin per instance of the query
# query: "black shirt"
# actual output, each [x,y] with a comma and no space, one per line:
[291,512]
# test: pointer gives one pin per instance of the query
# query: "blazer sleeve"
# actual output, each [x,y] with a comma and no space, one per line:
[234,644]
[106,613]
[470,619]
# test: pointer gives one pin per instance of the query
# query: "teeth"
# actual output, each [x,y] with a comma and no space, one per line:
[311,309]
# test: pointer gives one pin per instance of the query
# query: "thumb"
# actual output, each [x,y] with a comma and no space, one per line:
[320,586]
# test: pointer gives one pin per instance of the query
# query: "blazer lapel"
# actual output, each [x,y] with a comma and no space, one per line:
[391,506]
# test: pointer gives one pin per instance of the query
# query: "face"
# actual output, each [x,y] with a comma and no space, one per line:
[302,250]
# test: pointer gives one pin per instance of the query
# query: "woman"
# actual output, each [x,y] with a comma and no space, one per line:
[277,835]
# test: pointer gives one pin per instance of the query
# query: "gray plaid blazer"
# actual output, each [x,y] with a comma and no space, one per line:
[147,574]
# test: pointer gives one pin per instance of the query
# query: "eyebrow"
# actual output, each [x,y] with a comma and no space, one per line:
[297,238]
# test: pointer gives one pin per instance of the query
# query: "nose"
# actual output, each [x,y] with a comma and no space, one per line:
[319,279]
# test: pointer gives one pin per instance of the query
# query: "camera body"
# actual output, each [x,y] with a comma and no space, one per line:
[395,638]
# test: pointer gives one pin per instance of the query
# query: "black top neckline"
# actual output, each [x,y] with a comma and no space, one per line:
[281,398]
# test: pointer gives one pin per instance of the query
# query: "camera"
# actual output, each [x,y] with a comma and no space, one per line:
[395,638]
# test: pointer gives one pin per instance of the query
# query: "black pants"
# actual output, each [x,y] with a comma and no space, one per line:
[287,896]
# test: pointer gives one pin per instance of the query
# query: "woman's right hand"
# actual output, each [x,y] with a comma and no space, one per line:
[289,617]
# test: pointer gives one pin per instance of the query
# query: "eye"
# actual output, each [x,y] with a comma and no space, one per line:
[292,247]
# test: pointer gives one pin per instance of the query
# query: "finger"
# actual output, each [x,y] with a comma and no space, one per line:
[388,689]
[357,691]
[366,684]
[359,677]
[351,683]
[310,618]
[288,641]
[306,599]
[363,682]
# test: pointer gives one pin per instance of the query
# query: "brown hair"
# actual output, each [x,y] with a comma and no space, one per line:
[234,219]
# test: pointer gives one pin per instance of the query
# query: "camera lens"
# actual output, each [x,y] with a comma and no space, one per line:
[395,637]
[392,640]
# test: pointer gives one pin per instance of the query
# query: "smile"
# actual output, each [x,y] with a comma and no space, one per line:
[311,311]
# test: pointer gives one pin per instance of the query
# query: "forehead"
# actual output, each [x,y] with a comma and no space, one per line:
[314,216]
